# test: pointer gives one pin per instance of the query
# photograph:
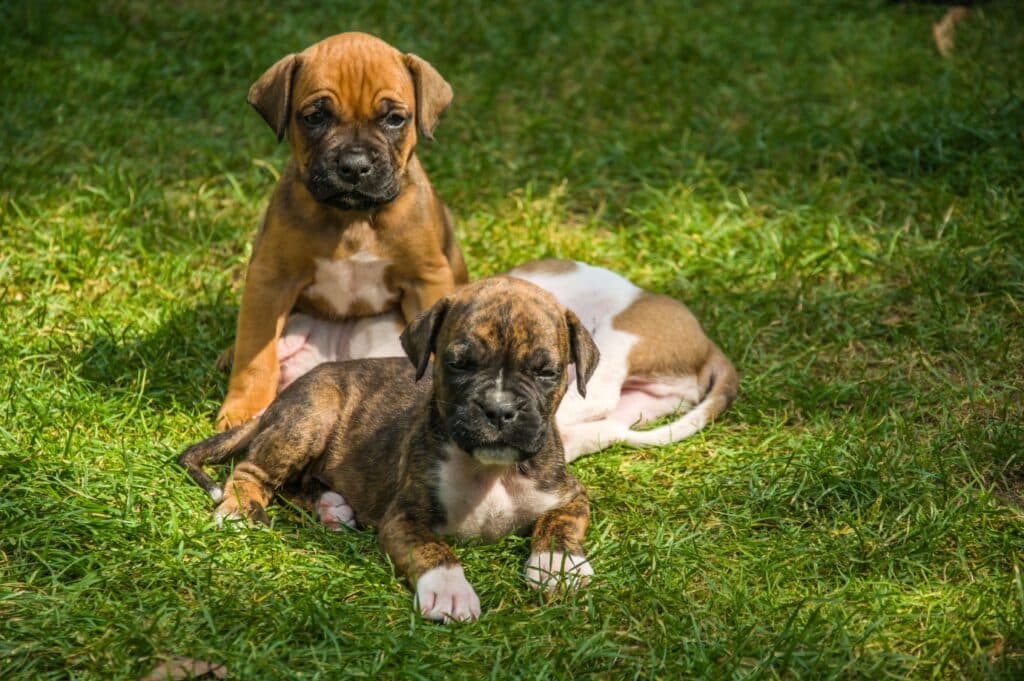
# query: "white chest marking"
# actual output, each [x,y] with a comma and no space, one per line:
[359,280]
[487,501]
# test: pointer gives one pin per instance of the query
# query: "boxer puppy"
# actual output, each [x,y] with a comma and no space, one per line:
[354,227]
[655,358]
[473,451]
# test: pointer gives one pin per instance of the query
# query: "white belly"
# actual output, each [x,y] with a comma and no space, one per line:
[487,501]
[354,283]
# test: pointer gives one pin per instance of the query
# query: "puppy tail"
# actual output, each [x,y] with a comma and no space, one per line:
[219,448]
[719,375]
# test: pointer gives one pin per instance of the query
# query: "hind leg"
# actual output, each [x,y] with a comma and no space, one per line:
[284,448]
[330,507]
[335,512]
[645,400]
[580,439]
[640,401]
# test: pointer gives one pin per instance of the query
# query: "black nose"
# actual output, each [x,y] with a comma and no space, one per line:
[353,165]
[499,412]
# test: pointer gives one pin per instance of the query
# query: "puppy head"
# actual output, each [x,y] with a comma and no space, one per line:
[351,106]
[502,348]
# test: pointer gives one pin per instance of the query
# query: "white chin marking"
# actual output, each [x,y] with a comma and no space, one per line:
[496,456]
[335,512]
[218,494]
[555,570]
[444,595]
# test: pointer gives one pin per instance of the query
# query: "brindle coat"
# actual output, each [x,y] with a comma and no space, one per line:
[373,432]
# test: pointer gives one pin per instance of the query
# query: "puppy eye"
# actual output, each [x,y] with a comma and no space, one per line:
[314,118]
[461,364]
[394,120]
[545,371]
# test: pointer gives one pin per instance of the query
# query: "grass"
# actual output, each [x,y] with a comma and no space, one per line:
[841,207]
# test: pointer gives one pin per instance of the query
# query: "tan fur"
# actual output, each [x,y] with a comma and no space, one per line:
[360,77]
[672,343]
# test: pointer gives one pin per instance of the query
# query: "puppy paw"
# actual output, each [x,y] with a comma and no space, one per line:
[230,512]
[556,571]
[235,413]
[444,595]
[335,512]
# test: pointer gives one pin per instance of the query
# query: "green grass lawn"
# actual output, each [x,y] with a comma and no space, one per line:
[842,208]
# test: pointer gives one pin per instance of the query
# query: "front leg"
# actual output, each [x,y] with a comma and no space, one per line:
[557,561]
[266,302]
[442,591]
[432,283]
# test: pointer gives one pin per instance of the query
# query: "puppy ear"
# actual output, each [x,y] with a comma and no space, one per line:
[271,95]
[433,94]
[583,351]
[420,335]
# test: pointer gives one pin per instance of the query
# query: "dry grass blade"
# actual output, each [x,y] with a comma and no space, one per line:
[944,30]
[179,667]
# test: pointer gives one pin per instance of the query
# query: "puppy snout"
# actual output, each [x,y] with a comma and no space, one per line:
[354,165]
[500,412]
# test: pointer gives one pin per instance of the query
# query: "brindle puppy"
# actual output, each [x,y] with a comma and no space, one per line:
[472,452]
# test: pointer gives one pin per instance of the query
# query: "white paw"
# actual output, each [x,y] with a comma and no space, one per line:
[444,595]
[334,511]
[553,570]
[218,494]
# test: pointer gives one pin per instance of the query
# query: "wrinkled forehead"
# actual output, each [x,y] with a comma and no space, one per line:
[358,76]
[514,323]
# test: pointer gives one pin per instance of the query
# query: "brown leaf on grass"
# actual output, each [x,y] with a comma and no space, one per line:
[178,667]
[944,31]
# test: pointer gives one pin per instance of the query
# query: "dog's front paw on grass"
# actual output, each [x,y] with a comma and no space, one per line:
[555,571]
[444,595]
[236,412]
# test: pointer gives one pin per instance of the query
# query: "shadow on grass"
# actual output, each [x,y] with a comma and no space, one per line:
[173,367]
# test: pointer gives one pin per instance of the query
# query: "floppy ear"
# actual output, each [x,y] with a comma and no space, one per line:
[433,94]
[271,95]
[583,351]
[420,335]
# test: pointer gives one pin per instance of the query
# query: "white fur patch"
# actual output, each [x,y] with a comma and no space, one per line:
[217,493]
[339,284]
[443,594]
[487,501]
[335,512]
[596,296]
[554,570]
